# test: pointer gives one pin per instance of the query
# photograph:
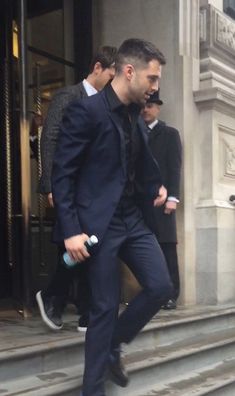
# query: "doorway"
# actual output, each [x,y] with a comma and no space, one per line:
[51,62]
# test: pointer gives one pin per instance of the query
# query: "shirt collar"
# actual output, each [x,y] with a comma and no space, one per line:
[112,98]
[153,124]
[116,104]
[90,90]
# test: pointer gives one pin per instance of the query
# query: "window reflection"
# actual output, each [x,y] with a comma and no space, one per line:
[45,32]
[229,8]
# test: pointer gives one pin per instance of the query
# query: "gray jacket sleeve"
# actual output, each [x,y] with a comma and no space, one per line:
[49,136]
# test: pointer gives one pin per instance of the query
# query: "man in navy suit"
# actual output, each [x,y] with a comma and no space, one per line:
[103,172]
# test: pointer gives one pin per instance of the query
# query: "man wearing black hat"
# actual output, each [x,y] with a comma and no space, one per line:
[165,145]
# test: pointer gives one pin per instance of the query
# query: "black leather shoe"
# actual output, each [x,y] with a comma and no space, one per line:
[117,372]
[49,311]
[171,304]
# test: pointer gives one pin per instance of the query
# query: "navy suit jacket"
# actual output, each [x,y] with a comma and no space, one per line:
[89,170]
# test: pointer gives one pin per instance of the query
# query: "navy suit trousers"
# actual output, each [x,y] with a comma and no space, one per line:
[127,238]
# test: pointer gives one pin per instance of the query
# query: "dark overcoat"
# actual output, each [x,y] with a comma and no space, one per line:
[165,145]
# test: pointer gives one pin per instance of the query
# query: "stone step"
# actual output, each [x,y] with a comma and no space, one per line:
[65,349]
[41,358]
[146,368]
[165,329]
[216,379]
[64,382]
[149,367]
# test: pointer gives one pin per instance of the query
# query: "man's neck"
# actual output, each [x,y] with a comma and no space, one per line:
[92,80]
[120,90]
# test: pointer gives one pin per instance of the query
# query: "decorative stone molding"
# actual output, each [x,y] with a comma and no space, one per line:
[216,98]
[202,24]
[217,49]
[229,161]
[225,31]
[217,34]
[227,152]
[219,67]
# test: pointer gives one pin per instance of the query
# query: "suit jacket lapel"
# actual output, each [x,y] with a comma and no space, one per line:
[154,133]
[143,129]
[81,89]
[116,122]
[157,130]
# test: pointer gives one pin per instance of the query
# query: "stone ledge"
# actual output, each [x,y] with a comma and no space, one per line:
[214,203]
[218,66]
[216,98]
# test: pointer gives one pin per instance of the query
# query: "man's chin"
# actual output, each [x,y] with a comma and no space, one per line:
[143,101]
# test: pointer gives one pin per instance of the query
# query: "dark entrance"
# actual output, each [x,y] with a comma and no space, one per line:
[40,46]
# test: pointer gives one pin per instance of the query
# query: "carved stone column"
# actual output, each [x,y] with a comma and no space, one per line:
[215,217]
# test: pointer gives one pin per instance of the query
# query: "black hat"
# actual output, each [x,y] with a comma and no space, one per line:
[155,98]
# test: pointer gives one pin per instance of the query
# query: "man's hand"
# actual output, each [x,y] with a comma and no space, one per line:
[162,194]
[50,200]
[76,248]
[170,207]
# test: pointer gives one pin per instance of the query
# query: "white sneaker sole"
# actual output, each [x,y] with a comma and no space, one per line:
[44,316]
[82,329]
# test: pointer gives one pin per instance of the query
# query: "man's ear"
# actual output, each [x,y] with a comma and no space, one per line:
[97,67]
[128,70]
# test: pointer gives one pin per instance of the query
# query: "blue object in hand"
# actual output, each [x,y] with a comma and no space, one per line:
[69,262]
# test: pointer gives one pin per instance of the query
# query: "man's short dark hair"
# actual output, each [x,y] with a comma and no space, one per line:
[105,55]
[138,53]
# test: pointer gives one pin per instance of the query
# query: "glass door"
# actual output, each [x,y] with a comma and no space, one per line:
[50,67]
[33,66]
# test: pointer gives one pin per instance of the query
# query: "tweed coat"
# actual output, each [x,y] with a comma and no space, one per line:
[165,145]
[60,101]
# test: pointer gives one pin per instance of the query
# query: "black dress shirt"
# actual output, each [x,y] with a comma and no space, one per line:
[128,119]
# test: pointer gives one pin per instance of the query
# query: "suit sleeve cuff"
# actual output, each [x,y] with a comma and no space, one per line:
[173,199]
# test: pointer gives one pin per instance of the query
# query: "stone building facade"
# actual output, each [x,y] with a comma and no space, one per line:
[198,89]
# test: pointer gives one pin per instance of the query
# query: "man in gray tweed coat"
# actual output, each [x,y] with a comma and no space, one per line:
[52,300]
